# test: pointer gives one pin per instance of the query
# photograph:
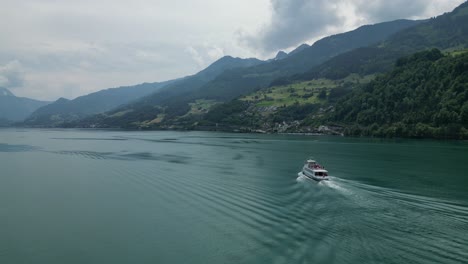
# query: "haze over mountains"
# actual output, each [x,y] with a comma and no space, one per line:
[309,78]
[14,109]
[102,101]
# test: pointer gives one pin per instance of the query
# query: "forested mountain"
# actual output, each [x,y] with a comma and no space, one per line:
[178,99]
[425,95]
[316,92]
[64,110]
[14,109]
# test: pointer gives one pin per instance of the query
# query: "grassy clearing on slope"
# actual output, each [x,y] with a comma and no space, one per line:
[201,106]
[458,52]
[307,92]
[121,113]
[302,93]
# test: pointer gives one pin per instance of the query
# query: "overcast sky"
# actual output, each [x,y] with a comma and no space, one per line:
[67,48]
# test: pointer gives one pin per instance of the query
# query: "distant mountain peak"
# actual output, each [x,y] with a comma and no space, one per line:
[299,49]
[281,55]
[5,92]
[225,63]
[62,100]
[230,59]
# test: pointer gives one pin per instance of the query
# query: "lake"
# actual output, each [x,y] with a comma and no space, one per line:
[91,196]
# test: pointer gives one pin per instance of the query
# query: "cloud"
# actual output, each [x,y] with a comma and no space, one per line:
[11,74]
[215,53]
[384,10]
[205,54]
[83,46]
[195,55]
[295,22]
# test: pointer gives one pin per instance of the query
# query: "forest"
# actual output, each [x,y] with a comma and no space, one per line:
[425,95]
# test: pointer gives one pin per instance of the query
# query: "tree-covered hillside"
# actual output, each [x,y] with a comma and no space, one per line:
[425,95]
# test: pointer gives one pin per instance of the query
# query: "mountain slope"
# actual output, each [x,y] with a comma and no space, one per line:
[194,82]
[445,32]
[64,110]
[149,107]
[15,109]
[331,46]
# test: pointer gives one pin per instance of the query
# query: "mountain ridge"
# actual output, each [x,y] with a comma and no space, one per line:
[16,109]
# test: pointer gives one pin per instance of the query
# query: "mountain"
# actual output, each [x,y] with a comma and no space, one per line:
[5,92]
[192,84]
[328,47]
[64,110]
[446,32]
[15,109]
[232,83]
[179,99]
[281,55]
[305,57]
[425,95]
[149,107]
[299,49]
[300,104]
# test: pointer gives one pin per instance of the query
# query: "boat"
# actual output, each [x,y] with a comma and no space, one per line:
[313,170]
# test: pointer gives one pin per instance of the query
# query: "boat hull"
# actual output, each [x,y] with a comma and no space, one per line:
[312,177]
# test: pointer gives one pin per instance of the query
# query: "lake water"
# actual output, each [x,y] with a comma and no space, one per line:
[87,196]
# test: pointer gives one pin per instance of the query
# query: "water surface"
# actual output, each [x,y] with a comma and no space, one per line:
[86,196]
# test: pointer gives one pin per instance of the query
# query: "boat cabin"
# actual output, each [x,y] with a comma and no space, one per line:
[312,164]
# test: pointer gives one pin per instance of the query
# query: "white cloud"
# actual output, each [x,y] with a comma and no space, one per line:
[91,45]
[195,56]
[215,53]
[293,22]
[11,74]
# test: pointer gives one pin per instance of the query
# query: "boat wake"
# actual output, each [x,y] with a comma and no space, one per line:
[433,228]
[333,183]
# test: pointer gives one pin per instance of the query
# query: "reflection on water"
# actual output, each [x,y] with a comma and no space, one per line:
[126,156]
[70,196]
[16,148]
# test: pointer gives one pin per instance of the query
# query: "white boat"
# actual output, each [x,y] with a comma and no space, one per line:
[313,170]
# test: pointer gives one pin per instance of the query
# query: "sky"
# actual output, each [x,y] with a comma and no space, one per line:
[68,48]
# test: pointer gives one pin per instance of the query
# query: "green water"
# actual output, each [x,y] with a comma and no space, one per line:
[71,196]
